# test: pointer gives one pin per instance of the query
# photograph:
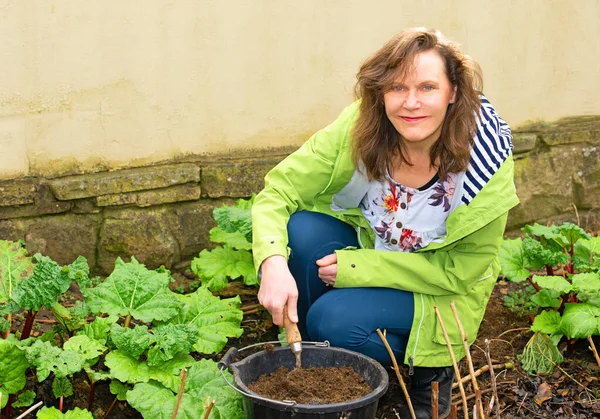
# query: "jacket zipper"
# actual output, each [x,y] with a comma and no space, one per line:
[411,359]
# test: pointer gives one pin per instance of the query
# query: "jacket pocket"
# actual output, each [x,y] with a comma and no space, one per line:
[470,309]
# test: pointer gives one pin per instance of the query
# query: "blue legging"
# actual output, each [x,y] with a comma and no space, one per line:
[346,317]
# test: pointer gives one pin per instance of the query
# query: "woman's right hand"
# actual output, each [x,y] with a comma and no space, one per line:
[278,288]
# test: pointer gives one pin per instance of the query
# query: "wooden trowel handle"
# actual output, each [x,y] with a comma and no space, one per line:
[291,329]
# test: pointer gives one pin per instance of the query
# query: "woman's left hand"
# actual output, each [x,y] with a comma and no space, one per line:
[328,269]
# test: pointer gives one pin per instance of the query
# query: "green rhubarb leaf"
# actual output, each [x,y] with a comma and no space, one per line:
[538,256]
[119,389]
[235,240]
[15,266]
[133,342]
[556,283]
[550,236]
[62,387]
[586,255]
[587,282]
[72,318]
[171,340]
[547,322]
[215,266]
[216,319]
[54,413]
[589,297]
[512,260]
[573,233]
[99,328]
[540,354]
[89,349]
[133,290]
[130,370]
[204,380]
[547,298]
[25,399]
[78,272]
[96,376]
[48,358]
[236,218]
[43,287]
[4,325]
[580,320]
[13,364]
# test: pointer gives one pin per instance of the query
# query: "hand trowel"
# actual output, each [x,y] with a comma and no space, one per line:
[292,334]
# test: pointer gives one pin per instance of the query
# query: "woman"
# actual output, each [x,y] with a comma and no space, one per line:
[396,207]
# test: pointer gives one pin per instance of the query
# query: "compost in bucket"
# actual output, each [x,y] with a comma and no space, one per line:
[256,406]
[312,385]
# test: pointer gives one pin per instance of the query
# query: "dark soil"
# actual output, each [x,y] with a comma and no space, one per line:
[312,385]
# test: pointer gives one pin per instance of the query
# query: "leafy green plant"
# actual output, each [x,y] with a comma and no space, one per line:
[519,301]
[233,259]
[144,333]
[570,301]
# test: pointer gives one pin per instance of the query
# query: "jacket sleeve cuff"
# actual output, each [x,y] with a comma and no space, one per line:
[268,246]
[351,272]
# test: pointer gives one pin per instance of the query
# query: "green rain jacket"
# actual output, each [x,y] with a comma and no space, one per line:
[460,267]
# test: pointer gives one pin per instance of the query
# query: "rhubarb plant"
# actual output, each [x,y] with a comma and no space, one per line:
[567,296]
[233,258]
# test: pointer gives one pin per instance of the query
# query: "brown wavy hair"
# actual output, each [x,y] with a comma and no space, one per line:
[375,140]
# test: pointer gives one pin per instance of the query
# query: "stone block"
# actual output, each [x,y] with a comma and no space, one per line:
[61,237]
[568,137]
[129,180]
[587,180]
[523,142]
[44,203]
[85,206]
[143,233]
[191,223]
[236,179]
[18,192]
[179,193]
[544,182]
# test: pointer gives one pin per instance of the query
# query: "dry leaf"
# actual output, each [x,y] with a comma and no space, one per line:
[544,393]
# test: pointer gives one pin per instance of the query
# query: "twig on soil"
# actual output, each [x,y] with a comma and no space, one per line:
[456,370]
[492,378]
[522,401]
[250,307]
[465,341]
[253,311]
[110,407]
[593,348]
[183,376]
[483,369]
[31,409]
[397,371]
[208,406]
[519,329]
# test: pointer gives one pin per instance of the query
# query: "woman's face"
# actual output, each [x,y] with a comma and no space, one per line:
[417,105]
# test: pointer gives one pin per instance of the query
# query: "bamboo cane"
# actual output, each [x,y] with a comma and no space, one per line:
[454,364]
[397,370]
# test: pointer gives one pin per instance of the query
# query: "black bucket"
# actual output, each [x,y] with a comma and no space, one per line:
[266,362]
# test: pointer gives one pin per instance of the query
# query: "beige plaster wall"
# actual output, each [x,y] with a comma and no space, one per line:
[95,85]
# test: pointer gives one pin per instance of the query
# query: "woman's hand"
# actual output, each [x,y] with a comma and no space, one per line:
[278,288]
[328,269]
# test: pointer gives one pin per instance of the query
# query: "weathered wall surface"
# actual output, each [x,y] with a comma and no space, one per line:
[122,124]
[162,214]
[94,86]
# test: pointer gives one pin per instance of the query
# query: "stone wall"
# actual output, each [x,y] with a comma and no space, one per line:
[161,214]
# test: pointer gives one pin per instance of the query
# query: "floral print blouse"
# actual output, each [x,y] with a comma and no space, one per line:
[407,219]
